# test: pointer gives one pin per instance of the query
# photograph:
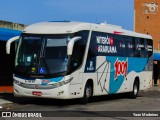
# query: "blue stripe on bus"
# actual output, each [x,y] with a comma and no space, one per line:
[58,79]
[24,78]
[46,81]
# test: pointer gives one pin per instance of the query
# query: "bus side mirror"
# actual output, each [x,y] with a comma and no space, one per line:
[71,44]
[8,44]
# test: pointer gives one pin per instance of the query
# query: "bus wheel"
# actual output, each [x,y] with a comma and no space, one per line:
[135,90]
[87,94]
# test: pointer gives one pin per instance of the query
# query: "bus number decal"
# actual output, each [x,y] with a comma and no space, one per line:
[121,68]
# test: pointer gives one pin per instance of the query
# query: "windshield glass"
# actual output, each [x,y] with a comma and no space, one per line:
[41,55]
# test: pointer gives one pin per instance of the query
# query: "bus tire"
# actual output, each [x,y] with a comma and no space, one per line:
[135,90]
[87,94]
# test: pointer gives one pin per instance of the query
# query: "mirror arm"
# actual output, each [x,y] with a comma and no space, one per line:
[71,44]
[8,44]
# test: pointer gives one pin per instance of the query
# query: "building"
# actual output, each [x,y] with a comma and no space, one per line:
[7,31]
[147,21]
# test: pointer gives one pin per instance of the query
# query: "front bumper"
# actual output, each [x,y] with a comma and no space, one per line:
[61,92]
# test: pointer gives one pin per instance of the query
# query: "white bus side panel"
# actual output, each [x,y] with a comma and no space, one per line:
[102,76]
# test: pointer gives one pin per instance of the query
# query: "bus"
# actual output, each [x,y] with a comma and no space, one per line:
[7,61]
[67,60]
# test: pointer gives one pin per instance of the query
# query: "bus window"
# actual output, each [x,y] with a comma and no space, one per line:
[130,47]
[77,56]
[148,47]
[120,44]
[139,48]
[78,50]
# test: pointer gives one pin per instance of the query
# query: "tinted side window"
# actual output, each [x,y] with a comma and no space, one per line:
[144,47]
[130,47]
[79,50]
[106,44]
[120,43]
[139,47]
[149,47]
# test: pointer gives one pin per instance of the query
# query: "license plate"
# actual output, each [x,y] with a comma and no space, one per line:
[37,81]
[37,93]
[30,81]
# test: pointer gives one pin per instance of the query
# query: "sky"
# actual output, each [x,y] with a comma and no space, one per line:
[117,12]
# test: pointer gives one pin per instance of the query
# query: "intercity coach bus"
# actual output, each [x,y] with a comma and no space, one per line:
[66,60]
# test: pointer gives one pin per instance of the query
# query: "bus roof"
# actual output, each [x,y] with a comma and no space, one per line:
[72,27]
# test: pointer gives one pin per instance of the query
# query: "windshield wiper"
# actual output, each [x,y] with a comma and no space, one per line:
[39,65]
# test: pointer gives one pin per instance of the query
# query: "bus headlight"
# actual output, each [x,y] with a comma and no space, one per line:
[57,84]
[17,82]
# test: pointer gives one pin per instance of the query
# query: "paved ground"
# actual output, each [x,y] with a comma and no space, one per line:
[148,100]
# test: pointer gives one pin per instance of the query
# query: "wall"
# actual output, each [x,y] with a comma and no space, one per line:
[147,19]
[11,25]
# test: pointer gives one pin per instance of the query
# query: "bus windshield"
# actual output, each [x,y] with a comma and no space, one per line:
[40,55]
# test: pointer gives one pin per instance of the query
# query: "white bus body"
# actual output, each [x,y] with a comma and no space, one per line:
[101,59]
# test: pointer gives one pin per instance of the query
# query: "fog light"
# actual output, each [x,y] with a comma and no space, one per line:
[60,93]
